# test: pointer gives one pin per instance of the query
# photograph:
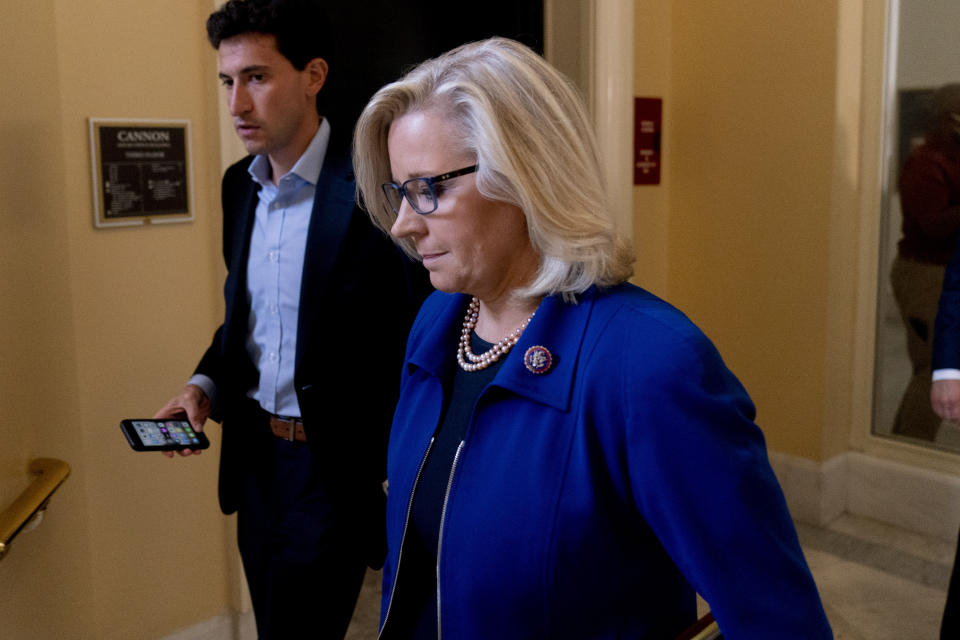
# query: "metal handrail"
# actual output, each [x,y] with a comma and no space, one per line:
[705,628]
[710,632]
[50,475]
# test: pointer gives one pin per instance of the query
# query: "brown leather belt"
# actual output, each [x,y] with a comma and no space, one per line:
[288,428]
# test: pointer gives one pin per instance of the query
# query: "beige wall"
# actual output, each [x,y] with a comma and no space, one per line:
[653,38]
[39,397]
[753,231]
[750,202]
[97,325]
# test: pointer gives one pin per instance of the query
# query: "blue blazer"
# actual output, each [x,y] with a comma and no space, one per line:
[359,295]
[594,500]
[946,330]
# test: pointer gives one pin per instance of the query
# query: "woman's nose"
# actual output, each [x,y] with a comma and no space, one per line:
[408,221]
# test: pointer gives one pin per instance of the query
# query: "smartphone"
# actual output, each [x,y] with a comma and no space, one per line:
[162,435]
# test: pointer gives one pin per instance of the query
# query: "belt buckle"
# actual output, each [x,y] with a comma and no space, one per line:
[292,434]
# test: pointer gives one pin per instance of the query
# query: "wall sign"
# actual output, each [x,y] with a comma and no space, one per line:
[141,171]
[647,119]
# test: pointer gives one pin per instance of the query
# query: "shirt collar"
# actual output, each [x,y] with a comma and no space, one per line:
[307,168]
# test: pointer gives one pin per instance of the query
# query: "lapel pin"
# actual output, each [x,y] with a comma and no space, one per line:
[537,359]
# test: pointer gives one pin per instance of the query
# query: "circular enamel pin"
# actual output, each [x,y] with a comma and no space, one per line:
[537,359]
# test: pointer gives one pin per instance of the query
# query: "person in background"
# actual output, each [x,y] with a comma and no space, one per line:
[930,199]
[303,372]
[945,401]
[570,457]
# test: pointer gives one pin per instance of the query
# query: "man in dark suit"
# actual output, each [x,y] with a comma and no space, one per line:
[930,199]
[945,399]
[945,389]
[304,370]
[945,394]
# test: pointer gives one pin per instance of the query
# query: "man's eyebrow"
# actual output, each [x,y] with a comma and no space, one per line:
[255,68]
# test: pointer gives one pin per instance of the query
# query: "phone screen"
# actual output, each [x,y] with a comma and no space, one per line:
[163,434]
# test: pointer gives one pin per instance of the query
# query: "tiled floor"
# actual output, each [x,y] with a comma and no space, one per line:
[877,582]
[367,614]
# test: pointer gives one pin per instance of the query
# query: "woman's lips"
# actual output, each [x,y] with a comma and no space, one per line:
[430,257]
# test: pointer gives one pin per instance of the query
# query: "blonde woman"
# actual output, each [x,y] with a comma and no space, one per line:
[570,458]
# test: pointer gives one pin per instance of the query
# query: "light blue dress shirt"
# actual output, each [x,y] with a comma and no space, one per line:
[274,272]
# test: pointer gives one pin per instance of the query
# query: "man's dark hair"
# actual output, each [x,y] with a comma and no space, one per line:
[300,27]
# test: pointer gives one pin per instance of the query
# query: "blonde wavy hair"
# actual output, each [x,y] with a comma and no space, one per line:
[527,126]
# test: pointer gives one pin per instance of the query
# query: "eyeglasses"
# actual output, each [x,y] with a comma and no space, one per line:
[421,193]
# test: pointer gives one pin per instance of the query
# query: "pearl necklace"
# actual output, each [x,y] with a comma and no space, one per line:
[484,360]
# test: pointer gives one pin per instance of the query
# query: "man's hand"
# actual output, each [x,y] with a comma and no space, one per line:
[194,405]
[945,398]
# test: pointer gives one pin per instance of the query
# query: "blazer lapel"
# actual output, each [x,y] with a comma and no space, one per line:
[243,208]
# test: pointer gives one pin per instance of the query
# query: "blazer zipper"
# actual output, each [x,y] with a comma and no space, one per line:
[443,518]
[406,522]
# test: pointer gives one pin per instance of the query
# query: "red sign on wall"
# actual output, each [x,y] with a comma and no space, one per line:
[647,119]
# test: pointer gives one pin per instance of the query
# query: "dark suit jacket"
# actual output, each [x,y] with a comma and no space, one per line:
[946,332]
[358,297]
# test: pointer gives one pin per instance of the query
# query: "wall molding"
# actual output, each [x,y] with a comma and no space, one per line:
[913,498]
[815,493]
[227,626]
